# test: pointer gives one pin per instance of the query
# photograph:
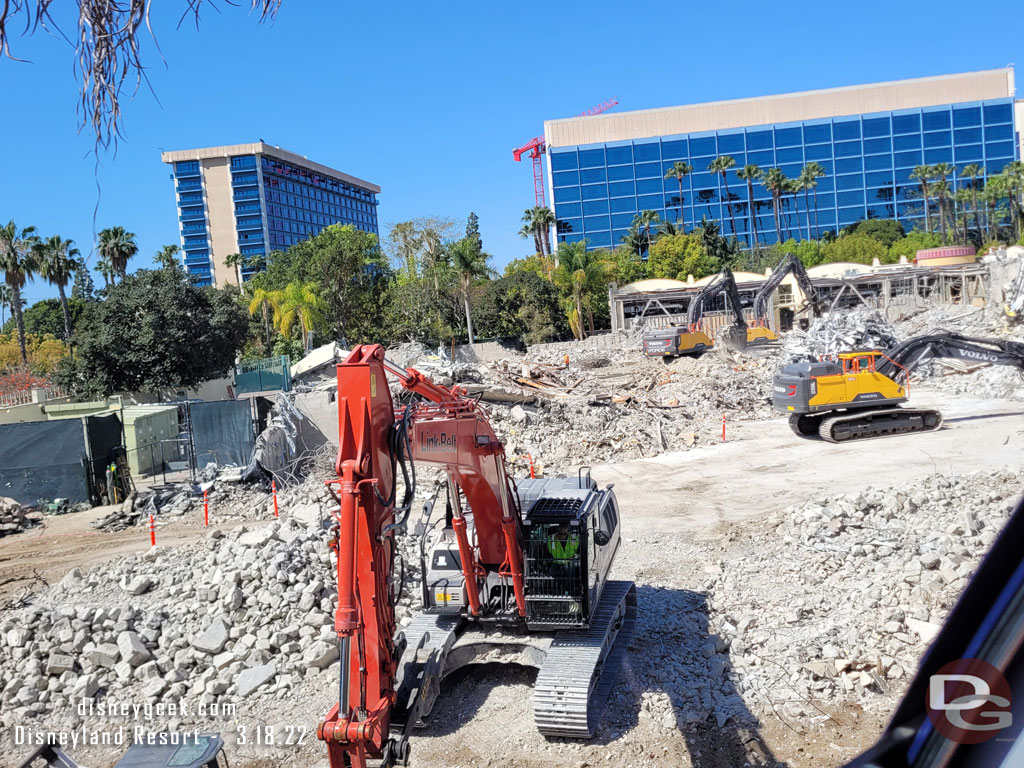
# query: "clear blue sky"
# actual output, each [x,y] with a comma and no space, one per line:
[428,99]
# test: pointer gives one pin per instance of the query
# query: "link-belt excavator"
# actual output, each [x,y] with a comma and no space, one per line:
[693,340]
[518,572]
[760,330]
[858,395]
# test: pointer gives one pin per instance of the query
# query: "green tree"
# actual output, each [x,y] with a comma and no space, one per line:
[473,231]
[57,260]
[233,260]
[5,301]
[679,256]
[924,174]
[83,287]
[809,176]
[155,331]
[539,220]
[715,246]
[629,267]
[942,171]
[972,172]
[1014,175]
[117,246]
[298,302]
[679,171]
[774,180]
[750,174]
[581,274]
[264,302]
[471,265]
[167,257]
[46,318]
[720,165]
[522,304]
[644,220]
[404,242]
[913,242]
[18,263]
[885,231]
[859,249]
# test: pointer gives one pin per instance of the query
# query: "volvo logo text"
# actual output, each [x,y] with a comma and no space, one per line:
[989,358]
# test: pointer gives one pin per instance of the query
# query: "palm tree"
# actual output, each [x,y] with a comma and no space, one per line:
[996,190]
[791,187]
[961,207]
[18,263]
[264,301]
[117,246]
[679,171]
[579,274]
[645,219]
[526,231]
[471,264]
[721,165]
[923,173]
[104,268]
[57,261]
[167,257]
[775,182]
[5,301]
[1014,173]
[942,170]
[298,301]
[750,174]
[813,171]
[539,219]
[973,172]
[669,229]
[235,260]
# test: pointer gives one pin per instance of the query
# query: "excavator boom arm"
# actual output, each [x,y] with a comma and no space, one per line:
[902,359]
[789,264]
[725,283]
[449,431]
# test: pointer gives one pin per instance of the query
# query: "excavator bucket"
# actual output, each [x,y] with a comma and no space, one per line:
[735,338]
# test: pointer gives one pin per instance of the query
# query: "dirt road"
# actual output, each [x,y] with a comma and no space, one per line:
[763,466]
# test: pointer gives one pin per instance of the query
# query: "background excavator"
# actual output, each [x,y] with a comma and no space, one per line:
[760,330]
[494,585]
[674,341]
[858,395]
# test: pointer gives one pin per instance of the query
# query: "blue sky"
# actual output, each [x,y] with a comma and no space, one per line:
[429,99]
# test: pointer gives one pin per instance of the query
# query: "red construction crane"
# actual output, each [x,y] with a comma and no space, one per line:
[536,148]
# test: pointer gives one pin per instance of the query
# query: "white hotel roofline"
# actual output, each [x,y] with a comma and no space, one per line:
[785,108]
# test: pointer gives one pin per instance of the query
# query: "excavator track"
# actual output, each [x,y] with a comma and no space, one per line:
[804,424]
[573,684]
[860,425]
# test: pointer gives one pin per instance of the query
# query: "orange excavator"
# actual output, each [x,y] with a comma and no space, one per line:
[519,570]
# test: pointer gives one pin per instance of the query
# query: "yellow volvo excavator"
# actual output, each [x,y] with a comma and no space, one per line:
[858,395]
[693,339]
[760,330]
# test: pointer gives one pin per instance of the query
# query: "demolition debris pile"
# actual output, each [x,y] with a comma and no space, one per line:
[217,621]
[608,404]
[840,331]
[836,599]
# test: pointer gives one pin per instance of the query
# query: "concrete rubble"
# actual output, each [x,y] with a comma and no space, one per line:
[15,517]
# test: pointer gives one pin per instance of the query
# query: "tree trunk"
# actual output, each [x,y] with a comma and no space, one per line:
[728,199]
[266,322]
[682,225]
[19,321]
[66,311]
[579,317]
[536,242]
[817,229]
[469,317]
[927,210]
[775,209]
[974,204]
[753,216]
[546,236]
[942,218]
